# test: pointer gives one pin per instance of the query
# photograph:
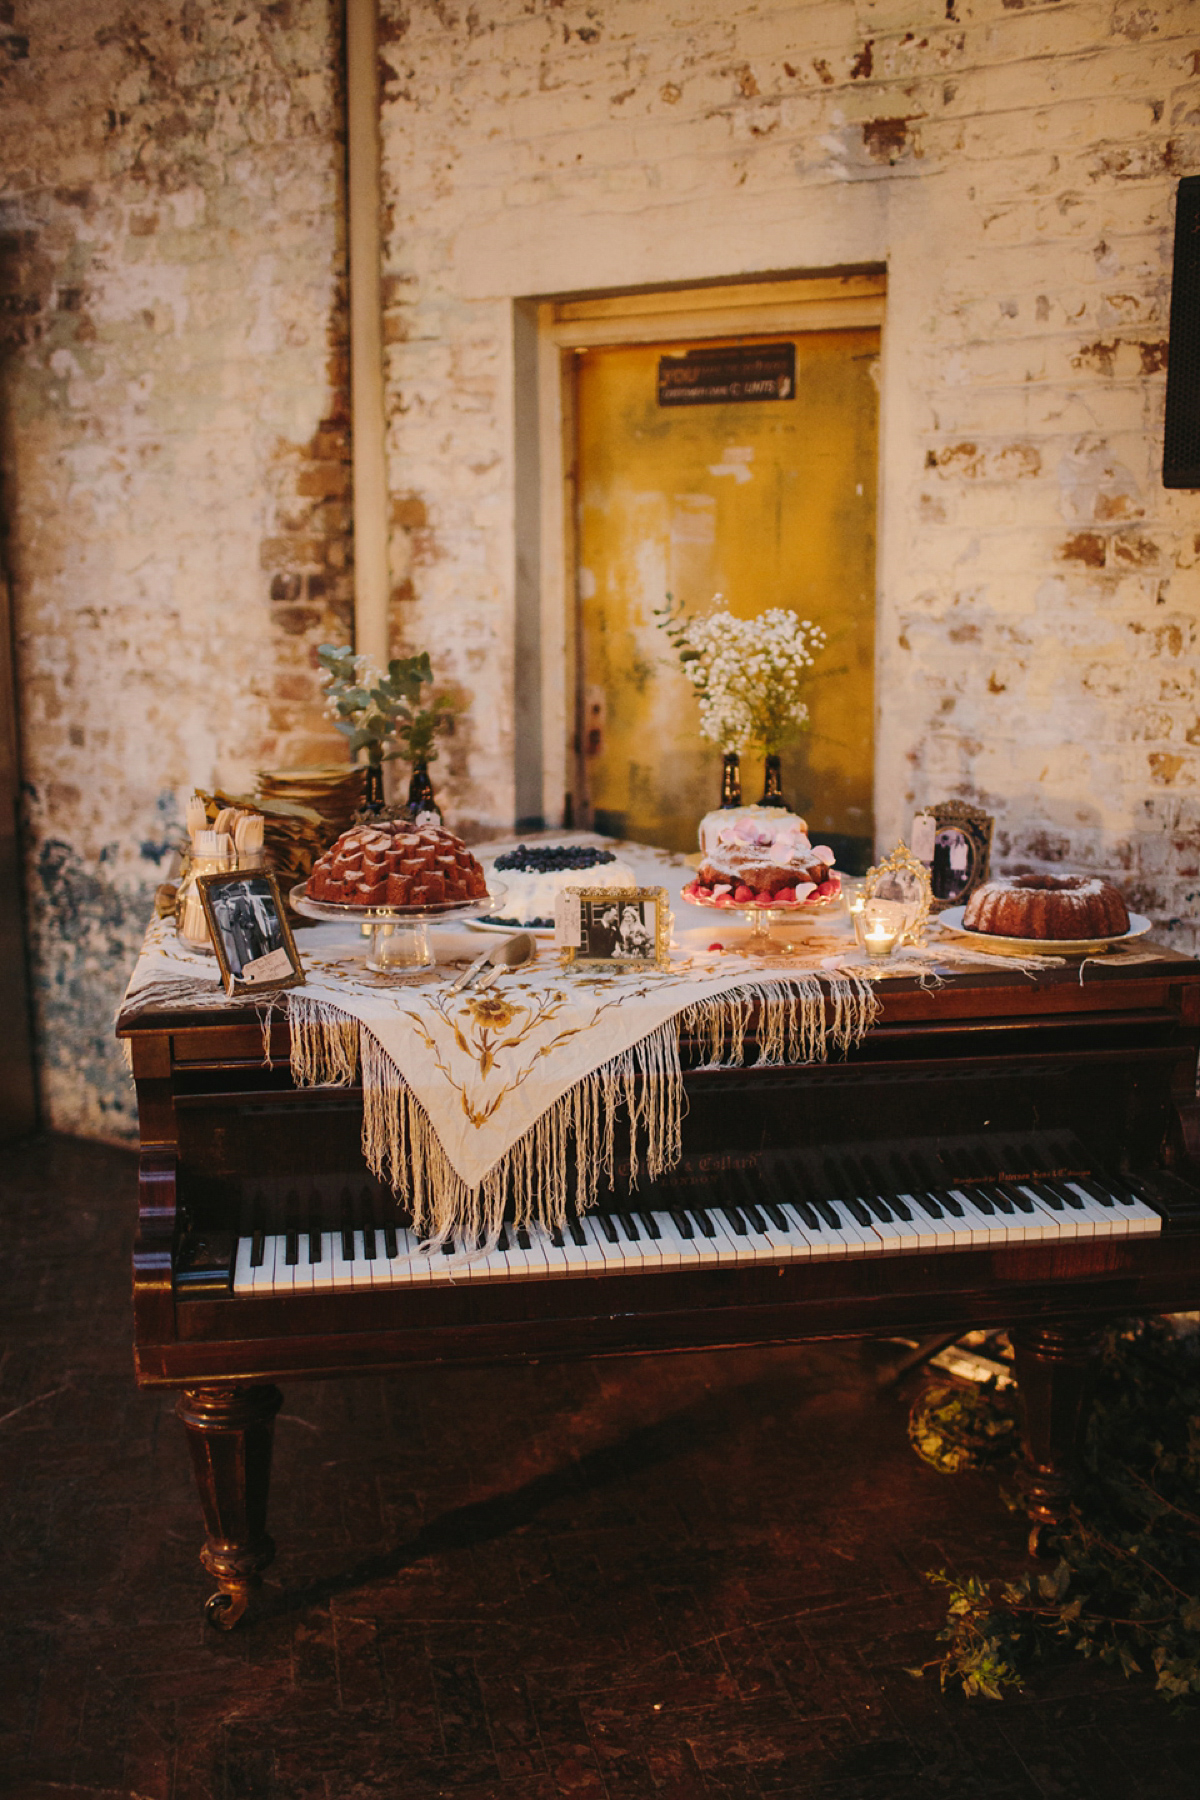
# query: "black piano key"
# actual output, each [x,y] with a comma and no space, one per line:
[927,1204]
[315,1240]
[807,1213]
[291,1249]
[651,1225]
[556,1238]
[1046,1196]
[901,1208]
[257,1249]
[523,1242]
[347,1227]
[1065,1193]
[735,1219]
[682,1223]
[856,1208]
[447,1247]
[828,1211]
[976,1198]
[753,1217]
[390,1247]
[629,1227]
[1095,1189]
[502,1240]
[777,1217]
[707,1228]
[1123,1195]
[578,1235]
[948,1202]
[604,1221]
[999,1191]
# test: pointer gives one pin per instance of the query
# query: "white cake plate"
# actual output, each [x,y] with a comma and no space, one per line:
[952,919]
[399,934]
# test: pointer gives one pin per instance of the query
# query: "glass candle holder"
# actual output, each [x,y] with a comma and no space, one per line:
[878,941]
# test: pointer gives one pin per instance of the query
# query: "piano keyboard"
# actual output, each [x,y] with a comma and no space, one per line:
[741,1227]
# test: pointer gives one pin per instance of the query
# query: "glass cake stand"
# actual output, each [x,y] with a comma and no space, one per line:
[760,918]
[399,934]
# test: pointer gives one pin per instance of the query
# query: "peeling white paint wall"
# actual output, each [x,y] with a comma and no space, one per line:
[174,452]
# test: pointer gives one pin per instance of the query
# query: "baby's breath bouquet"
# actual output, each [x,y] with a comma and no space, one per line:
[748,674]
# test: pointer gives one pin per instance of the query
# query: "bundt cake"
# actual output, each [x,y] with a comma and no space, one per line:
[1047,906]
[392,863]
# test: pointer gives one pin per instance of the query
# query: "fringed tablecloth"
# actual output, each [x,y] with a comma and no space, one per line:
[471,1102]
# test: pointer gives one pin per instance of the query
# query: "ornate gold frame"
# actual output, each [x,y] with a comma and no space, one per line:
[901,861]
[623,897]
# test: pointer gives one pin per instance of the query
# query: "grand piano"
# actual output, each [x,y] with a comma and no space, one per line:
[1003,1150]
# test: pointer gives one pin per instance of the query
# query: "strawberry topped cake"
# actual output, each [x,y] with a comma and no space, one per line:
[760,855]
[392,863]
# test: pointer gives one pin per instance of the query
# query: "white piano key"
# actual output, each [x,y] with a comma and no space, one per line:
[302,1271]
[243,1274]
[283,1279]
[671,1249]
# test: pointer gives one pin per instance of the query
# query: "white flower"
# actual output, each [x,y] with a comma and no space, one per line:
[747,674]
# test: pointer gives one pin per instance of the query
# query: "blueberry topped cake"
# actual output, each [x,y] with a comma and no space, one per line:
[535,874]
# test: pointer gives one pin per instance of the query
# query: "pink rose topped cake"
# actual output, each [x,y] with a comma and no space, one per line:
[761,855]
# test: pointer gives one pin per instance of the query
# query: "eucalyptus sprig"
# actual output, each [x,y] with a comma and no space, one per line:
[381,713]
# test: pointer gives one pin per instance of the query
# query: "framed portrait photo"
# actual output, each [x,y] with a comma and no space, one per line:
[614,928]
[250,932]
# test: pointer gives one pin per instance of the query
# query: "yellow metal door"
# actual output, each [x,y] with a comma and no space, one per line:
[763,502]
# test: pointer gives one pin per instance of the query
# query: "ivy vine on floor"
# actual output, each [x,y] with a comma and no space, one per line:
[1122,1582]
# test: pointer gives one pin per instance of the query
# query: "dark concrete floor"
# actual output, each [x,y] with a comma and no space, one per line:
[692,1576]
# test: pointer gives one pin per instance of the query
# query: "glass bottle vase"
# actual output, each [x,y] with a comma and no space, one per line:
[773,783]
[731,779]
[420,794]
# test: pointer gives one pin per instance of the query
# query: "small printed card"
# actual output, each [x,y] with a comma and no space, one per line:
[924,834]
[568,920]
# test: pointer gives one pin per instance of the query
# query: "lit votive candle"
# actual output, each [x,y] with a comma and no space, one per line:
[879,941]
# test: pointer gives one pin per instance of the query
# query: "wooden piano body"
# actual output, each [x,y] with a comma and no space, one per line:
[987,1078]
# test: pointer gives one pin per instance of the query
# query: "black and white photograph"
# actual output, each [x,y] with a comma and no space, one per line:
[250,933]
[622,929]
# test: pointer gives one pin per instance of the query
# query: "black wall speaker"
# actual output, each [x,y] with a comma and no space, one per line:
[1181,437]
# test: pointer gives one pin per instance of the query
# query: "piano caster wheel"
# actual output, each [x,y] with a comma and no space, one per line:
[223,1609]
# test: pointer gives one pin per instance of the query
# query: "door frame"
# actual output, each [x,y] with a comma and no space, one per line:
[548,331]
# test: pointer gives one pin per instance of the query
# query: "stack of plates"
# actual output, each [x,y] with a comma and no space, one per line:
[305,810]
[335,791]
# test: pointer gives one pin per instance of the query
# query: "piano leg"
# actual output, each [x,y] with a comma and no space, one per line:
[230,1432]
[1054,1366]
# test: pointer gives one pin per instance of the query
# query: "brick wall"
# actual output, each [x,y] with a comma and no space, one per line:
[1014,166]
[174,417]
[175,444]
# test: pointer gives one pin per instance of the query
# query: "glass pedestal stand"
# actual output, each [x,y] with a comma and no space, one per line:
[759,920]
[399,935]
[396,946]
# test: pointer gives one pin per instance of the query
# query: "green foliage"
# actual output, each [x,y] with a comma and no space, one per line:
[380,713]
[972,1427]
[1125,1586]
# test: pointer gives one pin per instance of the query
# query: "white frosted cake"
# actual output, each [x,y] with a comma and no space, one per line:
[534,874]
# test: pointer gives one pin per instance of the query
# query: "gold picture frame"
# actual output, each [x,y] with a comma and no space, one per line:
[902,877]
[638,936]
[249,931]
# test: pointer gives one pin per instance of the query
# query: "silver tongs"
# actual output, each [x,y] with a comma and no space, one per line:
[510,954]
